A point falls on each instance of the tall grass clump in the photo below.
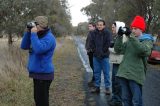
(15, 86)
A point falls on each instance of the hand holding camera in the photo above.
(34, 29)
(124, 30)
(31, 26)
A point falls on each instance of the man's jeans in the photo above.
(131, 92)
(116, 88)
(99, 65)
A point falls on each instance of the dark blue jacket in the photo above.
(40, 51)
(100, 42)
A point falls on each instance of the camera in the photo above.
(31, 24)
(124, 30)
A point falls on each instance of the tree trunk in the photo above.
(10, 41)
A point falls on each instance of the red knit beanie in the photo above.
(139, 22)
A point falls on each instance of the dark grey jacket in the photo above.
(100, 42)
(88, 41)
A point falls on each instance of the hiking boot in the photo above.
(91, 84)
(107, 92)
(95, 90)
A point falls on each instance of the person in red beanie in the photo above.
(139, 23)
(131, 72)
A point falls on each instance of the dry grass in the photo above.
(15, 86)
(17, 89)
(67, 87)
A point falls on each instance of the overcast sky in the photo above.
(76, 14)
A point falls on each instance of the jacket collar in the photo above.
(146, 37)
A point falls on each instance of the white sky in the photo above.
(76, 14)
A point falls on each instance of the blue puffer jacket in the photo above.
(40, 51)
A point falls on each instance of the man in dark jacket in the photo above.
(41, 43)
(91, 27)
(100, 43)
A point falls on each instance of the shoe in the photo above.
(114, 103)
(108, 92)
(91, 84)
(95, 90)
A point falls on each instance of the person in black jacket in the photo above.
(100, 43)
(91, 27)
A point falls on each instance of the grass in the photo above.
(17, 89)
(15, 86)
(67, 87)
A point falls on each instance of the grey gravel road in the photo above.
(151, 88)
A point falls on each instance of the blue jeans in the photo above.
(131, 92)
(99, 65)
(116, 89)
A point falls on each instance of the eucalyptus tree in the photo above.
(125, 10)
(82, 28)
(94, 10)
(12, 14)
(101, 9)
(15, 14)
(146, 8)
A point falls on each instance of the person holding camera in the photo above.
(115, 59)
(41, 43)
(131, 72)
(100, 42)
(91, 27)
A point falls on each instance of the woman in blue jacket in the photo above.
(41, 44)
